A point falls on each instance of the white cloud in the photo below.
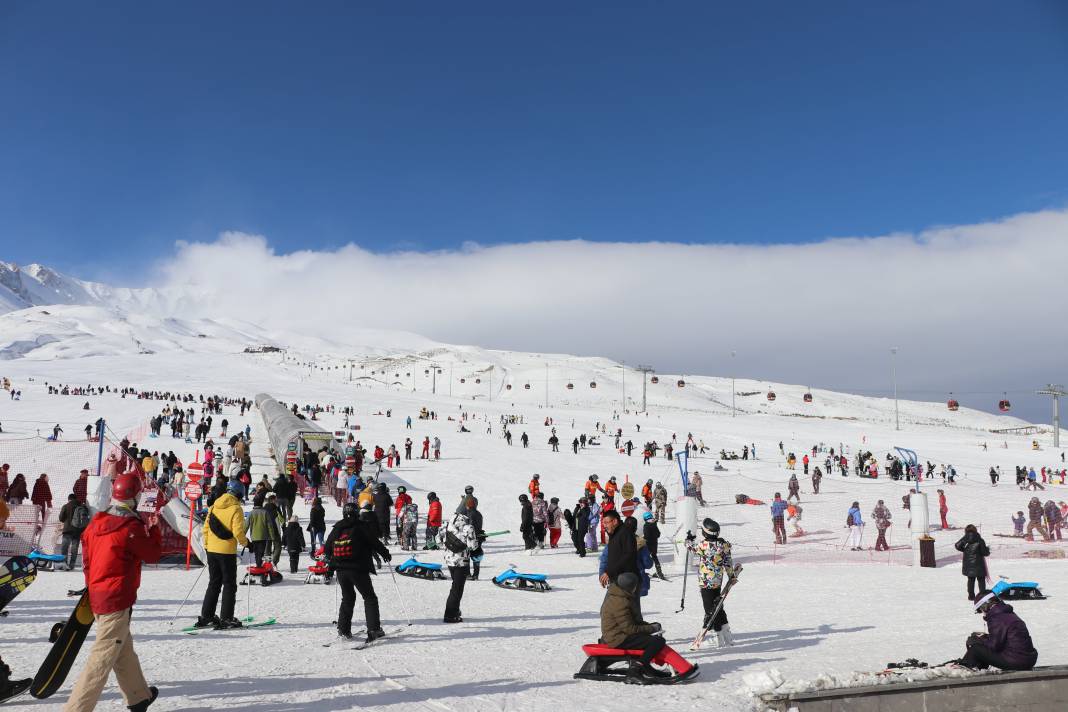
(972, 307)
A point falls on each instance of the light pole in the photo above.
(645, 370)
(732, 384)
(893, 377)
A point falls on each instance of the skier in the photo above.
(973, 561)
(817, 477)
(116, 543)
(437, 448)
(592, 487)
(622, 628)
(224, 529)
(778, 523)
(1006, 644)
(881, 515)
(460, 542)
(715, 567)
(651, 534)
(793, 487)
(349, 550)
(433, 520)
(426, 448)
(855, 524)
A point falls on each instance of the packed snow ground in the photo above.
(804, 610)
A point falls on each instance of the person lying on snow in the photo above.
(1006, 644)
(622, 628)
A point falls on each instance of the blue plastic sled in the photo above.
(1017, 590)
(417, 569)
(510, 578)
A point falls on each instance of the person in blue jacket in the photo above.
(778, 520)
(856, 527)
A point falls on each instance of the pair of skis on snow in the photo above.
(390, 635)
(696, 644)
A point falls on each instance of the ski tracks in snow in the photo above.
(417, 695)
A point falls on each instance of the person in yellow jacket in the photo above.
(148, 465)
(224, 528)
(367, 495)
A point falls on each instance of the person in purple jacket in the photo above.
(1006, 644)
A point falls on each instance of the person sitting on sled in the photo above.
(621, 628)
(1006, 644)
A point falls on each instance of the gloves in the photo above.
(690, 536)
(657, 628)
(387, 556)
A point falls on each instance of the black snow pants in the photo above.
(350, 582)
(222, 576)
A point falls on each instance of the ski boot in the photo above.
(203, 622)
(10, 688)
(373, 635)
(724, 639)
(228, 624)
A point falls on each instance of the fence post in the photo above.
(100, 449)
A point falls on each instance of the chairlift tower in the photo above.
(645, 371)
(1055, 391)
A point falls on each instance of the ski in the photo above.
(16, 688)
(336, 642)
(245, 623)
(697, 641)
(393, 634)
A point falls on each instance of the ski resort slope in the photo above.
(805, 609)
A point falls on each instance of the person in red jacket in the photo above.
(81, 486)
(403, 500)
(42, 495)
(114, 546)
(535, 485)
(943, 508)
(433, 521)
(426, 448)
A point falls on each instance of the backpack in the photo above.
(849, 519)
(79, 518)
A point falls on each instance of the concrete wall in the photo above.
(1038, 690)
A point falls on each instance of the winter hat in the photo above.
(647, 516)
(627, 581)
(984, 598)
(234, 487)
(710, 527)
(294, 519)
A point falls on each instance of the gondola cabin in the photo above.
(478, 380)
(1004, 406)
(808, 397)
(570, 386)
(508, 387)
(526, 386)
(463, 380)
(771, 395)
(593, 384)
(681, 383)
(426, 372)
(654, 380)
(953, 405)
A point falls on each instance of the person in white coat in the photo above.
(459, 540)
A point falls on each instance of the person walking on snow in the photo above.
(116, 544)
(349, 554)
(459, 548)
(973, 561)
(943, 508)
(881, 515)
(778, 522)
(856, 527)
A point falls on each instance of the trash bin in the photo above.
(927, 552)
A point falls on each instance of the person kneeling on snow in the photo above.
(1006, 644)
(621, 628)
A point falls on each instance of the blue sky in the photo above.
(126, 126)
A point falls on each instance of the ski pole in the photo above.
(399, 596)
(186, 599)
(685, 573)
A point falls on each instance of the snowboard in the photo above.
(16, 575)
(61, 657)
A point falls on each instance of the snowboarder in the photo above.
(460, 541)
(117, 542)
(715, 567)
(348, 553)
(973, 561)
(224, 529)
(1007, 643)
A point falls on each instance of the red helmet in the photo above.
(126, 486)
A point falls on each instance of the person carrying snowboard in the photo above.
(348, 553)
(116, 543)
(715, 568)
(224, 529)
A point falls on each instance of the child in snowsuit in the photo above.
(294, 542)
(660, 502)
(715, 568)
(409, 521)
(1018, 524)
